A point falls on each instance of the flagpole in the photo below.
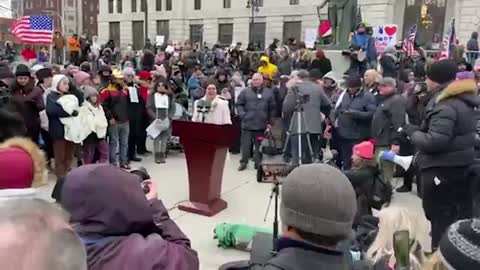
(51, 42)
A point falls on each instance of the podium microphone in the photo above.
(203, 108)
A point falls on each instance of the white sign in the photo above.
(385, 36)
(310, 37)
(159, 40)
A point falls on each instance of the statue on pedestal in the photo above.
(342, 17)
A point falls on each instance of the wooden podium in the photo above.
(206, 147)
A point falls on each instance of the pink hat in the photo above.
(22, 164)
(80, 77)
(364, 150)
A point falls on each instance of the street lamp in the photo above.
(254, 5)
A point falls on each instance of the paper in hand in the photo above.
(161, 101)
(132, 92)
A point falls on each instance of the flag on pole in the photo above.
(409, 42)
(448, 44)
(36, 29)
(358, 16)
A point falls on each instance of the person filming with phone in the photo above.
(122, 223)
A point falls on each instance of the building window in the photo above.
(114, 32)
(163, 29)
(134, 5)
(225, 33)
(257, 35)
(70, 18)
(196, 33)
(292, 30)
(143, 5)
(198, 4)
(138, 35)
(169, 5)
(260, 3)
(71, 3)
(110, 6)
(227, 3)
(294, 2)
(119, 6)
(159, 5)
(430, 20)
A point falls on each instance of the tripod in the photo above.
(274, 195)
(299, 127)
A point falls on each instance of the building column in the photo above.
(210, 31)
(241, 28)
(274, 29)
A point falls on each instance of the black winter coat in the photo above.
(447, 135)
(354, 115)
(324, 65)
(387, 119)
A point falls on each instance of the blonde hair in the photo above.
(393, 219)
(435, 263)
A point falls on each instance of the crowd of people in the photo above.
(103, 107)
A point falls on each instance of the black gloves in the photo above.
(75, 113)
(409, 129)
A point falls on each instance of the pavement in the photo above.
(247, 203)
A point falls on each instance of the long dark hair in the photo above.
(16, 87)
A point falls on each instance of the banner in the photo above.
(310, 37)
(385, 36)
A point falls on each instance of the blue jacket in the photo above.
(194, 88)
(54, 113)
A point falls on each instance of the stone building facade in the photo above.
(211, 21)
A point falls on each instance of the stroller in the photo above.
(173, 142)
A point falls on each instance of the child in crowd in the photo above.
(96, 141)
(161, 105)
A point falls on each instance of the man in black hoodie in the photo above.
(445, 141)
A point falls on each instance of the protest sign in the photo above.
(385, 36)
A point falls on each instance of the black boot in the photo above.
(404, 189)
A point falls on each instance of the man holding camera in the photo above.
(308, 97)
(445, 141)
(317, 209)
(255, 107)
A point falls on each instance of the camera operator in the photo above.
(310, 98)
(445, 142)
(122, 222)
(317, 210)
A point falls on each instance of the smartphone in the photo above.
(401, 246)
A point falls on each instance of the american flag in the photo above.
(35, 29)
(448, 44)
(358, 16)
(409, 42)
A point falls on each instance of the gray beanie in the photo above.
(89, 91)
(318, 199)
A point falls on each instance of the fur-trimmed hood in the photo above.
(466, 89)
(40, 173)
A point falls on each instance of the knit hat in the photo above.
(364, 150)
(80, 77)
(316, 74)
(465, 75)
(104, 68)
(442, 71)
(36, 68)
(353, 81)
(44, 73)
(460, 245)
(12, 124)
(5, 71)
(22, 164)
(22, 70)
(318, 199)
(128, 71)
(89, 91)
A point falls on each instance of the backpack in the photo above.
(380, 193)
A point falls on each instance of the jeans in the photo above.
(89, 152)
(135, 138)
(118, 142)
(306, 154)
(160, 143)
(75, 58)
(249, 137)
(63, 151)
(446, 198)
(387, 168)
